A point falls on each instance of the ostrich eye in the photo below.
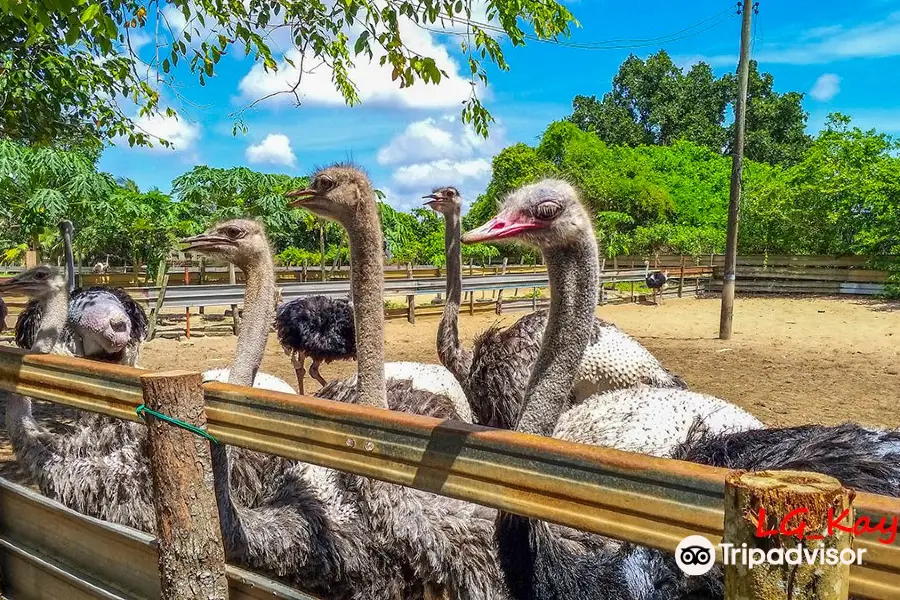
(451, 193)
(233, 232)
(326, 183)
(547, 210)
(41, 275)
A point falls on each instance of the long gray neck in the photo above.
(70, 257)
(53, 321)
(367, 287)
(572, 271)
(451, 352)
(259, 310)
(24, 432)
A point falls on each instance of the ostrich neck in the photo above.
(367, 287)
(70, 260)
(457, 359)
(259, 310)
(24, 432)
(53, 321)
(573, 298)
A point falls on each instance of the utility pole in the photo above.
(737, 166)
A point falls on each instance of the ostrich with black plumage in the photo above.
(317, 327)
(656, 281)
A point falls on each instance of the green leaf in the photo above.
(90, 13)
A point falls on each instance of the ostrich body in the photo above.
(441, 544)
(656, 281)
(495, 373)
(539, 561)
(3, 312)
(318, 327)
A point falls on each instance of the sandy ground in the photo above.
(790, 361)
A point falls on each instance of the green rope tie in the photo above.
(177, 423)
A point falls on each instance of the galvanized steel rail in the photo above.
(225, 295)
(632, 497)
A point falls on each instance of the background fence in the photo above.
(47, 551)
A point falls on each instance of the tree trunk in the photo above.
(321, 251)
(191, 554)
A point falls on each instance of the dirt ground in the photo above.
(790, 361)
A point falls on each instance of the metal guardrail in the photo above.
(225, 295)
(640, 499)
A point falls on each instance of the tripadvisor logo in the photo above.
(696, 555)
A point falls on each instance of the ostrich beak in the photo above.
(434, 200)
(299, 197)
(505, 225)
(205, 241)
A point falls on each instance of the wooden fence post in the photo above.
(632, 283)
(201, 278)
(191, 555)
(154, 316)
(187, 309)
(236, 317)
(500, 292)
(305, 270)
(778, 493)
(681, 278)
(410, 298)
(602, 281)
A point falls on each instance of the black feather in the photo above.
(318, 326)
(28, 323)
(3, 312)
(656, 280)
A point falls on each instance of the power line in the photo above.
(612, 44)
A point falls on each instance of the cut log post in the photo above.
(775, 495)
(500, 292)
(411, 308)
(235, 315)
(154, 316)
(191, 554)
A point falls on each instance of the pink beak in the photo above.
(502, 226)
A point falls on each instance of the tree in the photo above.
(655, 102)
(39, 186)
(329, 34)
(776, 123)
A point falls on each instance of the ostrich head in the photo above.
(546, 215)
(106, 325)
(339, 193)
(445, 200)
(39, 283)
(239, 241)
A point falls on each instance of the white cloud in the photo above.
(826, 87)
(374, 82)
(433, 139)
(274, 149)
(176, 130)
(442, 172)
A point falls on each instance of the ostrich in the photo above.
(442, 541)
(656, 281)
(495, 373)
(99, 468)
(332, 533)
(319, 327)
(3, 312)
(536, 560)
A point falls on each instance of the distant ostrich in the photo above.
(656, 281)
(318, 327)
(537, 560)
(3, 312)
(101, 267)
(443, 543)
(495, 373)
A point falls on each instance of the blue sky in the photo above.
(845, 56)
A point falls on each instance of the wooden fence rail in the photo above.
(631, 497)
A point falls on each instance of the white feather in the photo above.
(262, 381)
(648, 420)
